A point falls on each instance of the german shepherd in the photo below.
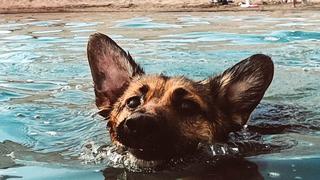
(156, 117)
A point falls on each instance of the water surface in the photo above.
(47, 107)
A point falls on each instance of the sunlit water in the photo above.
(47, 110)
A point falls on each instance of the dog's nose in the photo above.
(140, 125)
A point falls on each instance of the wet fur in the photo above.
(183, 112)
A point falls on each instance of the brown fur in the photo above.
(159, 99)
(159, 117)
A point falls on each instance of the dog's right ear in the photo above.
(239, 89)
(112, 70)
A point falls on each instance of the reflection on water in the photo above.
(47, 107)
(228, 168)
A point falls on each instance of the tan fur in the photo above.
(225, 80)
(200, 130)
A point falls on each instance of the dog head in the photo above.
(158, 117)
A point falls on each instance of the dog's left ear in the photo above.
(239, 89)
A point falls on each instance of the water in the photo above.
(47, 110)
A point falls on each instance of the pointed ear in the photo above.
(112, 69)
(239, 89)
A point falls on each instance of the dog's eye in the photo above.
(133, 102)
(189, 107)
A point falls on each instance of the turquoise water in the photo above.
(47, 110)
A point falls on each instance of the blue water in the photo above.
(47, 107)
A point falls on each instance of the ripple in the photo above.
(11, 128)
(271, 38)
(65, 126)
(83, 30)
(288, 36)
(45, 23)
(81, 24)
(18, 37)
(233, 38)
(48, 38)
(6, 95)
(11, 25)
(47, 31)
(296, 24)
(34, 86)
(24, 56)
(143, 23)
(191, 20)
(5, 32)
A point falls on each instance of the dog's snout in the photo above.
(140, 124)
(139, 129)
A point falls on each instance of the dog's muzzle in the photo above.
(139, 130)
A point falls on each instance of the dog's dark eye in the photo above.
(189, 107)
(133, 102)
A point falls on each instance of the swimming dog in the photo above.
(156, 117)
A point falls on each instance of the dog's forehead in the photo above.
(162, 89)
(161, 84)
(158, 85)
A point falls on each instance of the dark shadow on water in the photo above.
(281, 118)
(5, 177)
(222, 169)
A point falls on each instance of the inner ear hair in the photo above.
(239, 89)
(112, 69)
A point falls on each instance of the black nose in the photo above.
(139, 125)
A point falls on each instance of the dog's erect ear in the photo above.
(112, 69)
(239, 89)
